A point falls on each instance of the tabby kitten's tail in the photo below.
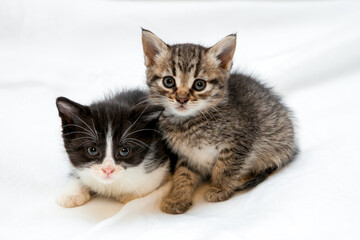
(255, 179)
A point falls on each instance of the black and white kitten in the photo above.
(228, 128)
(114, 147)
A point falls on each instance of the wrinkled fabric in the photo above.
(308, 51)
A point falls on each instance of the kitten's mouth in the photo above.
(181, 108)
(107, 179)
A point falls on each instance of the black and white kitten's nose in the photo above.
(182, 100)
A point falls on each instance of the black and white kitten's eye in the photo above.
(169, 82)
(124, 151)
(199, 85)
(92, 151)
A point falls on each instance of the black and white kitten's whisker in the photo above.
(142, 102)
(96, 132)
(137, 140)
(158, 99)
(86, 140)
(78, 126)
(80, 138)
(157, 95)
(91, 130)
(80, 132)
(141, 130)
(137, 144)
(84, 143)
(128, 129)
(89, 140)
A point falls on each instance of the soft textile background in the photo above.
(308, 51)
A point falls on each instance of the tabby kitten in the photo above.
(114, 147)
(226, 128)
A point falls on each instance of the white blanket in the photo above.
(308, 51)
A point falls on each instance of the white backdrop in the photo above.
(308, 51)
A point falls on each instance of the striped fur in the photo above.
(235, 132)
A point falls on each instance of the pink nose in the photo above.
(182, 100)
(108, 171)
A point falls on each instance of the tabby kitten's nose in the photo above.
(182, 100)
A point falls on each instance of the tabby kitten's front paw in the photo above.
(175, 206)
(214, 194)
(73, 200)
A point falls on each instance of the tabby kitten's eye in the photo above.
(199, 85)
(124, 151)
(93, 151)
(169, 82)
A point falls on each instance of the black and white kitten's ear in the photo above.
(69, 109)
(224, 51)
(152, 46)
(147, 113)
(153, 112)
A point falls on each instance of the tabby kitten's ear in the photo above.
(224, 51)
(69, 109)
(152, 46)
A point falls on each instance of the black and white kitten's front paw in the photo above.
(73, 200)
(74, 195)
(172, 205)
(214, 194)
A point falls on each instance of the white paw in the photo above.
(73, 200)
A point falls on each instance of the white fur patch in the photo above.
(131, 181)
(73, 195)
(190, 109)
(108, 162)
(109, 146)
(202, 158)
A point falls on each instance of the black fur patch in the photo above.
(132, 120)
